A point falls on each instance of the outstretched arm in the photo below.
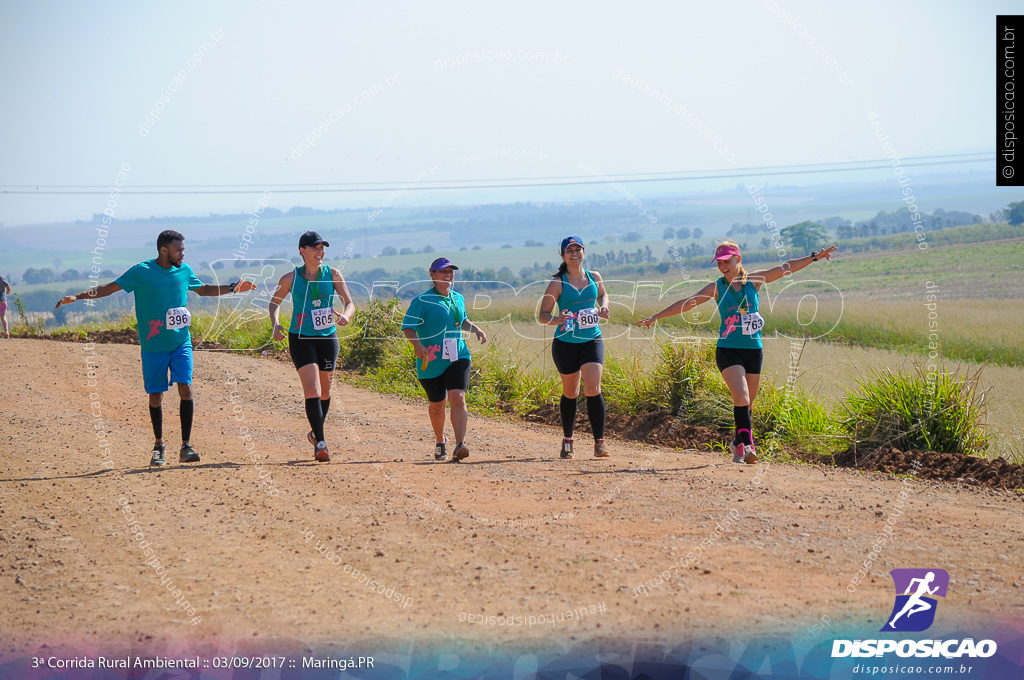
(97, 292)
(682, 306)
(794, 265)
(210, 290)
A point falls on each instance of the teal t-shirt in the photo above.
(157, 291)
(435, 318)
(732, 304)
(575, 300)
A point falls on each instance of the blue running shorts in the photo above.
(155, 366)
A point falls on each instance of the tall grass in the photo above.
(942, 411)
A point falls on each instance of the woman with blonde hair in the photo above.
(739, 352)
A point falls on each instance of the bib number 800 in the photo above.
(587, 318)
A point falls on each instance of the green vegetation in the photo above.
(940, 411)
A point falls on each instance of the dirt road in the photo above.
(512, 532)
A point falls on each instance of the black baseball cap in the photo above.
(311, 239)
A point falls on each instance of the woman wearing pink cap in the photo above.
(739, 351)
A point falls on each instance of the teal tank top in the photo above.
(730, 302)
(574, 301)
(311, 302)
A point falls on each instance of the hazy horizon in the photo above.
(268, 94)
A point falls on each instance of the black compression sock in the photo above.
(596, 413)
(741, 415)
(156, 414)
(325, 404)
(316, 418)
(186, 419)
(567, 407)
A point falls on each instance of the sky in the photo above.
(548, 89)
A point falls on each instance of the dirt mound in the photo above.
(119, 336)
(651, 428)
(995, 473)
(663, 429)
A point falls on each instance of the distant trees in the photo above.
(698, 232)
(805, 235)
(1014, 213)
(33, 276)
(632, 237)
(683, 232)
(669, 234)
(530, 243)
(388, 251)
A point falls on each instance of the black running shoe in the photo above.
(440, 452)
(566, 451)
(187, 454)
(158, 456)
(461, 452)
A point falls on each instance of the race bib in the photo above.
(752, 323)
(587, 318)
(178, 317)
(322, 318)
(450, 349)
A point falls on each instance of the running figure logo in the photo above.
(730, 324)
(914, 610)
(154, 328)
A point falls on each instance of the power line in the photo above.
(497, 183)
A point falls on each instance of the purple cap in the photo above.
(441, 263)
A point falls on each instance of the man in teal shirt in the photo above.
(161, 289)
(434, 324)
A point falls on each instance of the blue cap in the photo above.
(568, 240)
(441, 263)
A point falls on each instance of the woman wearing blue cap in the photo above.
(739, 352)
(577, 348)
(313, 335)
(434, 324)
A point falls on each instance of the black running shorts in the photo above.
(320, 351)
(455, 377)
(749, 359)
(570, 356)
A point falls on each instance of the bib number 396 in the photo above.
(587, 318)
(752, 323)
(323, 318)
(178, 317)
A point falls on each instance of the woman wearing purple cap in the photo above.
(313, 335)
(434, 324)
(577, 347)
(739, 352)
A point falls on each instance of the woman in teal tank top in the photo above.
(312, 335)
(739, 352)
(577, 348)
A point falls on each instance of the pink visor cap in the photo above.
(724, 252)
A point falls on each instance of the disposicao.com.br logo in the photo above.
(914, 611)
